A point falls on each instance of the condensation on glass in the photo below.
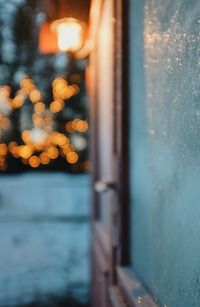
(165, 148)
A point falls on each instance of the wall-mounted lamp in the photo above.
(71, 34)
(65, 28)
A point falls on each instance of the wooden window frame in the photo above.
(132, 290)
(125, 290)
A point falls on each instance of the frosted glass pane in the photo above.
(165, 148)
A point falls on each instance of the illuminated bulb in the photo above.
(72, 157)
(25, 151)
(52, 152)
(39, 107)
(25, 136)
(56, 106)
(68, 148)
(34, 161)
(82, 126)
(11, 145)
(68, 127)
(38, 136)
(70, 34)
(61, 139)
(79, 142)
(44, 159)
(35, 96)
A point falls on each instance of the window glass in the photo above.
(165, 148)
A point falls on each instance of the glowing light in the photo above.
(3, 149)
(70, 34)
(38, 136)
(56, 106)
(75, 89)
(17, 102)
(38, 121)
(68, 127)
(35, 96)
(67, 148)
(5, 123)
(61, 139)
(12, 145)
(44, 159)
(34, 161)
(52, 152)
(13, 148)
(27, 85)
(25, 151)
(25, 136)
(72, 157)
(79, 142)
(39, 107)
(81, 126)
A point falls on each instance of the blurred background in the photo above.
(44, 165)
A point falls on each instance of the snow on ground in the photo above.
(44, 236)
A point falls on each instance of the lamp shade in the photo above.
(48, 42)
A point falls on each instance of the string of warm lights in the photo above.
(42, 143)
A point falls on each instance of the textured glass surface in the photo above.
(165, 148)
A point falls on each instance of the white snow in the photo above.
(44, 236)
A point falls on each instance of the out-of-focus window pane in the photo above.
(165, 143)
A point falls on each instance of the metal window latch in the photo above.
(104, 186)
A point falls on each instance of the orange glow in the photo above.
(76, 78)
(35, 96)
(68, 148)
(70, 34)
(72, 157)
(68, 127)
(74, 123)
(61, 139)
(34, 161)
(53, 137)
(38, 147)
(5, 123)
(5, 91)
(3, 149)
(14, 150)
(52, 152)
(59, 80)
(61, 89)
(11, 146)
(47, 39)
(56, 106)
(81, 126)
(27, 85)
(2, 159)
(39, 107)
(44, 159)
(86, 166)
(75, 89)
(38, 120)
(17, 102)
(25, 151)
(26, 136)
